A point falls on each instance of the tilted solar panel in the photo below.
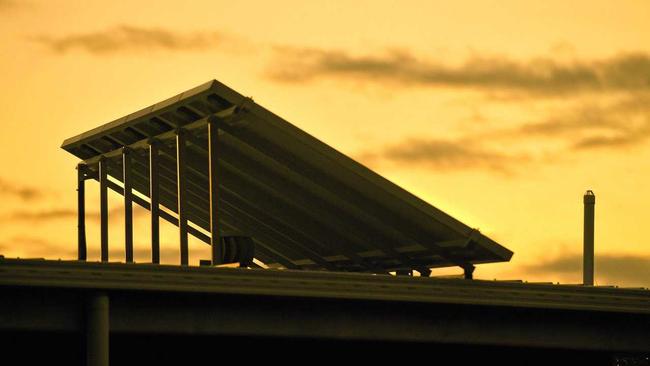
(306, 205)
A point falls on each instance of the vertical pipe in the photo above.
(81, 212)
(181, 140)
(128, 205)
(97, 330)
(588, 239)
(213, 166)
(103, 207)
(154, 191)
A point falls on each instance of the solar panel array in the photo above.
(306, 205)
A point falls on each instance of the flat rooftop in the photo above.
(44, 298)
(318, 284)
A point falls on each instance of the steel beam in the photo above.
(128, 204)
(230, 114)
(82, 253)
(213, 167)
(154, 192)
(97, 330)
(181, 142)
(197, 233)
(103, 207)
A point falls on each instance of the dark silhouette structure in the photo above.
(316, 236)
(227, 165)
(588, 239)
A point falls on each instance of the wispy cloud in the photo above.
(8, 4)
(619, 125)
(32, 246)
(616, 126)
(129, 38)
(25, 193)
(627, 72)
(37, 247)
(630, 270)
(445, 155)
(44, 215)
(41, 215)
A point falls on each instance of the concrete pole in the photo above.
(588, 236)
(97, 330)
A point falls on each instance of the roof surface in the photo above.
(319, 284)
(306, 205)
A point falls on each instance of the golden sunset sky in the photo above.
(500, 113)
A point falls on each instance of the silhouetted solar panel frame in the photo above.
(306, 205)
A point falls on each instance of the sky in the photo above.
(500, 113)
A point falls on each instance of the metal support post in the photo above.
(213, 162)
(128, 205)
(468, 271)
(181, 140)
(154, 191)
(103, 207)
(81, 213)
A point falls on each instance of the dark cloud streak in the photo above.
(24, 193)
(446, 155)
(65, 214)
(610, 268)
(36, 247)
(623, 124)
(628, 72)
(8, 5)
(128, 38)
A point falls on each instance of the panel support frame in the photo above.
(82, 251)
(181, 144)
(128, 204)
(468, 271)
(103, 208)
(214, 179)
(154, 199)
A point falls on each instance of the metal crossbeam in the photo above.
(226, 114)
